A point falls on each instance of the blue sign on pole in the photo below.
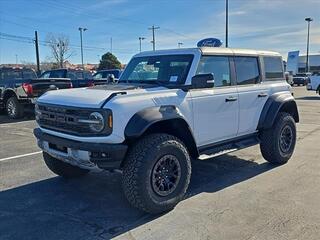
(210, 42)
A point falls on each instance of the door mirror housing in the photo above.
(205, 80)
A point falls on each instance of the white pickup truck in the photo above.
(314, 83)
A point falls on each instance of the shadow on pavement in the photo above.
(94, 207)
(309, 98)
(4, 118)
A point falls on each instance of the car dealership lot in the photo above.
(236, 196)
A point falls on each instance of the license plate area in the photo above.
(58, 148)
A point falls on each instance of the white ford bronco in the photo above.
(167, 108)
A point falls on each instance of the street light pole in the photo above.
(82, 30)
(308, 40)
(140, 40)
(180, 44)
(227, 21)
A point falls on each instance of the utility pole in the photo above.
(227, 21)
(308, 40)
(16, 59)
(36, 42)
(180, 44)
(81, 30)
(153, 28)
(140, 40)
(111, 45)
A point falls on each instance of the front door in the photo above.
(215, 110)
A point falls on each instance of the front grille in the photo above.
(64, 119)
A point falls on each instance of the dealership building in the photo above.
(297, 63)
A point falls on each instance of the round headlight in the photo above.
(97, 122)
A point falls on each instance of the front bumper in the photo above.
(92, 156)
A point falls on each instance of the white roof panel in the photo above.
(209, 51)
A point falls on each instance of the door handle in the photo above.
(262, 95)
(231, 99)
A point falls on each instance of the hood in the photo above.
(92, 97)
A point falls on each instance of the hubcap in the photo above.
(11, 109)
(166, 175)
(286, 139)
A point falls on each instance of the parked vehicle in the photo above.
(103, 74)
(78, 77)
(300, 79)
(20, 88)
(169, 107)
(313, 83)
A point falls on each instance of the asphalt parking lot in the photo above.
(236, 196)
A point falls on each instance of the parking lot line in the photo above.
(19, 156)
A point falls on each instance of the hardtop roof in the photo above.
(210, 51)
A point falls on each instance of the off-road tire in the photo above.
(139, 167)
(63, 169)
(13, 108)
(270, 140)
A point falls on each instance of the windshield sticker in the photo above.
(173, 79)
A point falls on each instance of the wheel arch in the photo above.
(8, 94)
(164, 119)
(279, 102)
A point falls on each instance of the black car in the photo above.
(300, 79)
(78, 77)
(20, 87)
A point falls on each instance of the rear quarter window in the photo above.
(273, 68)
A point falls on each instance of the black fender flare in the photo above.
(8, 91)
(143, 119)
(275, 103)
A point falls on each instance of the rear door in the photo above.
(216, 110)
(252, 94)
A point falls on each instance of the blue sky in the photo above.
(260, 24)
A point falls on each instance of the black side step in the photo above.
(228, 146)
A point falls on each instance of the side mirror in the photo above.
(205, 80)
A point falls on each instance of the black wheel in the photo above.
(156, 173)
(14, 108)
(277, 144)
(63, 169)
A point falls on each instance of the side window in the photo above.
(247, 70)
(273, 67)
(218, 66)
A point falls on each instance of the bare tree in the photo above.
(60, 48)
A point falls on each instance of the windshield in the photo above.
(162, 68)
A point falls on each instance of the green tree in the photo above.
(109, 61)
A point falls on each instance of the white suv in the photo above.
(167, 108)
